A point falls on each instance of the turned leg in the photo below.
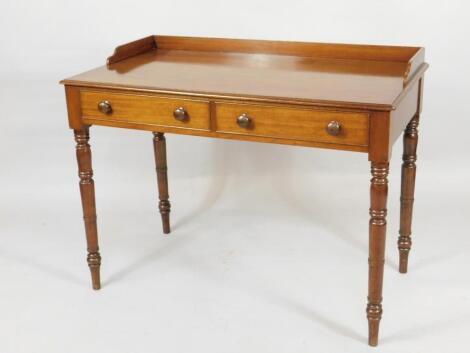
(159, 146)
(377, 230)
(408, 175)
(87, 192)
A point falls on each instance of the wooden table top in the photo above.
(371, 77)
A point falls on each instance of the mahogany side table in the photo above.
(347, 97)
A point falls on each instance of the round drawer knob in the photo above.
(105, 107)
(333, 128)
(180, 114)
(244, 121)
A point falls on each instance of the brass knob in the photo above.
(180, 114)
(105, 107)
(244, 121)
(333, 128)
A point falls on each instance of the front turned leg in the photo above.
(87, 192)
(377, 231)
(159, 146)
(408, 176)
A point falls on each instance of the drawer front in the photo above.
(141, 109)
(293, 123)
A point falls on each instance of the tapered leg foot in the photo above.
(377, 231)
(159, 146)
(374, 314)
(164, 207)
(403, 252)
(408, 177)
(94, 263)
(87, 192)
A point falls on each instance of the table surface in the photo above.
(314, 74)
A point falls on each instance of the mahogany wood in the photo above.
(230, 136)
(404, 111)
(128, 50)
(145, 109)
(87, 191)
(377, 231)
(408, 55)
(159, 147)
(408, 176)
(336, 75)
(295, 124)
(338, 96)
(72, 96)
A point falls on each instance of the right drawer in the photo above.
(303, 124)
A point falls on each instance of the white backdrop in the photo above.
(269, 244)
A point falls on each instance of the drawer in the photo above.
(141, 109)
(303, 124)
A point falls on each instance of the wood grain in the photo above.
(74, 110)
(377, 232)
(364, 76)
(410, 55)
(159, 148)
(131, 49)
(202, 133)
(408, 177)
(296, 124)
(142, 109)
(292, 48)
(290, 91)
(283, 124)
(380, 146)
(87, 192)
(404, 112)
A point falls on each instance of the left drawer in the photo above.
(146, 109)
